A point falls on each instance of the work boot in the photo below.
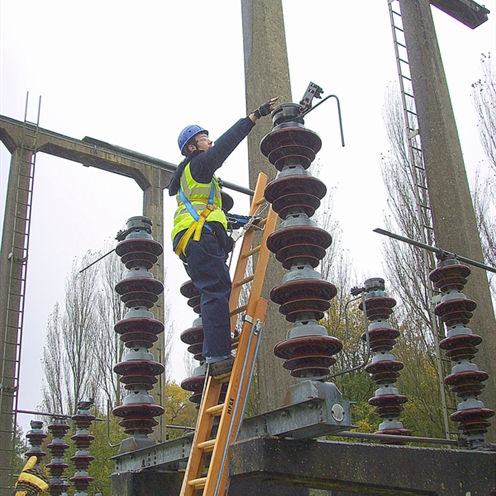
(218, 369)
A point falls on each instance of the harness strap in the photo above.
(199, 220)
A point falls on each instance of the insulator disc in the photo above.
(382, 339)
(314, 345)
(143, 410)
(295, 143)
(135, 367)
(299, 289)
(455, 311)
(139, 252)
(293, 308)
(293, 255)
(192, 335)
(139, 324)
(461, 346)
(378, 307)
(450, 276)
(188, 289)
(298, 235)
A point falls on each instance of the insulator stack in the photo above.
(384, 369)
(193, 337)
(82, 439)
(35, 437)
(139, 330)
(299, 244)
(460, 344)
(58, 429)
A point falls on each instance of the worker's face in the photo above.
(203, 142)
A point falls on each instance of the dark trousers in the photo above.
(205, 263)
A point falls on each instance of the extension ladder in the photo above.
(212, 439)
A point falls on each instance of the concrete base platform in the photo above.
(363, 469)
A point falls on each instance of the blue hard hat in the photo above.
(187, 133)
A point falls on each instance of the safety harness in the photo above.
(195, 229)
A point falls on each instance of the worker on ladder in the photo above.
(199, 234)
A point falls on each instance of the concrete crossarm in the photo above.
(87, 151)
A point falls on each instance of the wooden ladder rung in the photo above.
(198, 483)
(207, 445)
(244, 281)
(215, 410)
(260, 201)
(252, 251)
(238, 310)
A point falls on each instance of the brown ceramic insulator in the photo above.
(473, 421)
(138, 417)
(189, 291)
(83, 422)
(455, 311)
(450, 276)
(35, 437)
(461, 346)
(139, 331)
(194, 384)
(308, 355)
(139, 291)
(378, 307)
(81, 483)
(382, 339)
(58, 430)
(295, 254)
(143, 425)
(304, 236)
(139, 252)
(57, 487)
(295, 308)
(303, 296)
(194, 337)
(388, 405)
(467, 383)
(293, 144)
(82, 461)
(295, 193)
(394, 432)
(313, 365)
(194, 303)
(138, 372)
(384, 371)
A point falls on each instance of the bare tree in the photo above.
(82, 347)
(405, 265)
(110, 310)
(68, 356)
(484, 99)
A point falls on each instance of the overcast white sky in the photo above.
(134, 74)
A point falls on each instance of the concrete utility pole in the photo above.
(453, 215)
(266, 75)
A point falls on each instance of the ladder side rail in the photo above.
(246, 245)
(234, 406)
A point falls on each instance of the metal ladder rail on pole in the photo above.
(213, 437)
(424, 212)
(16, 289)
